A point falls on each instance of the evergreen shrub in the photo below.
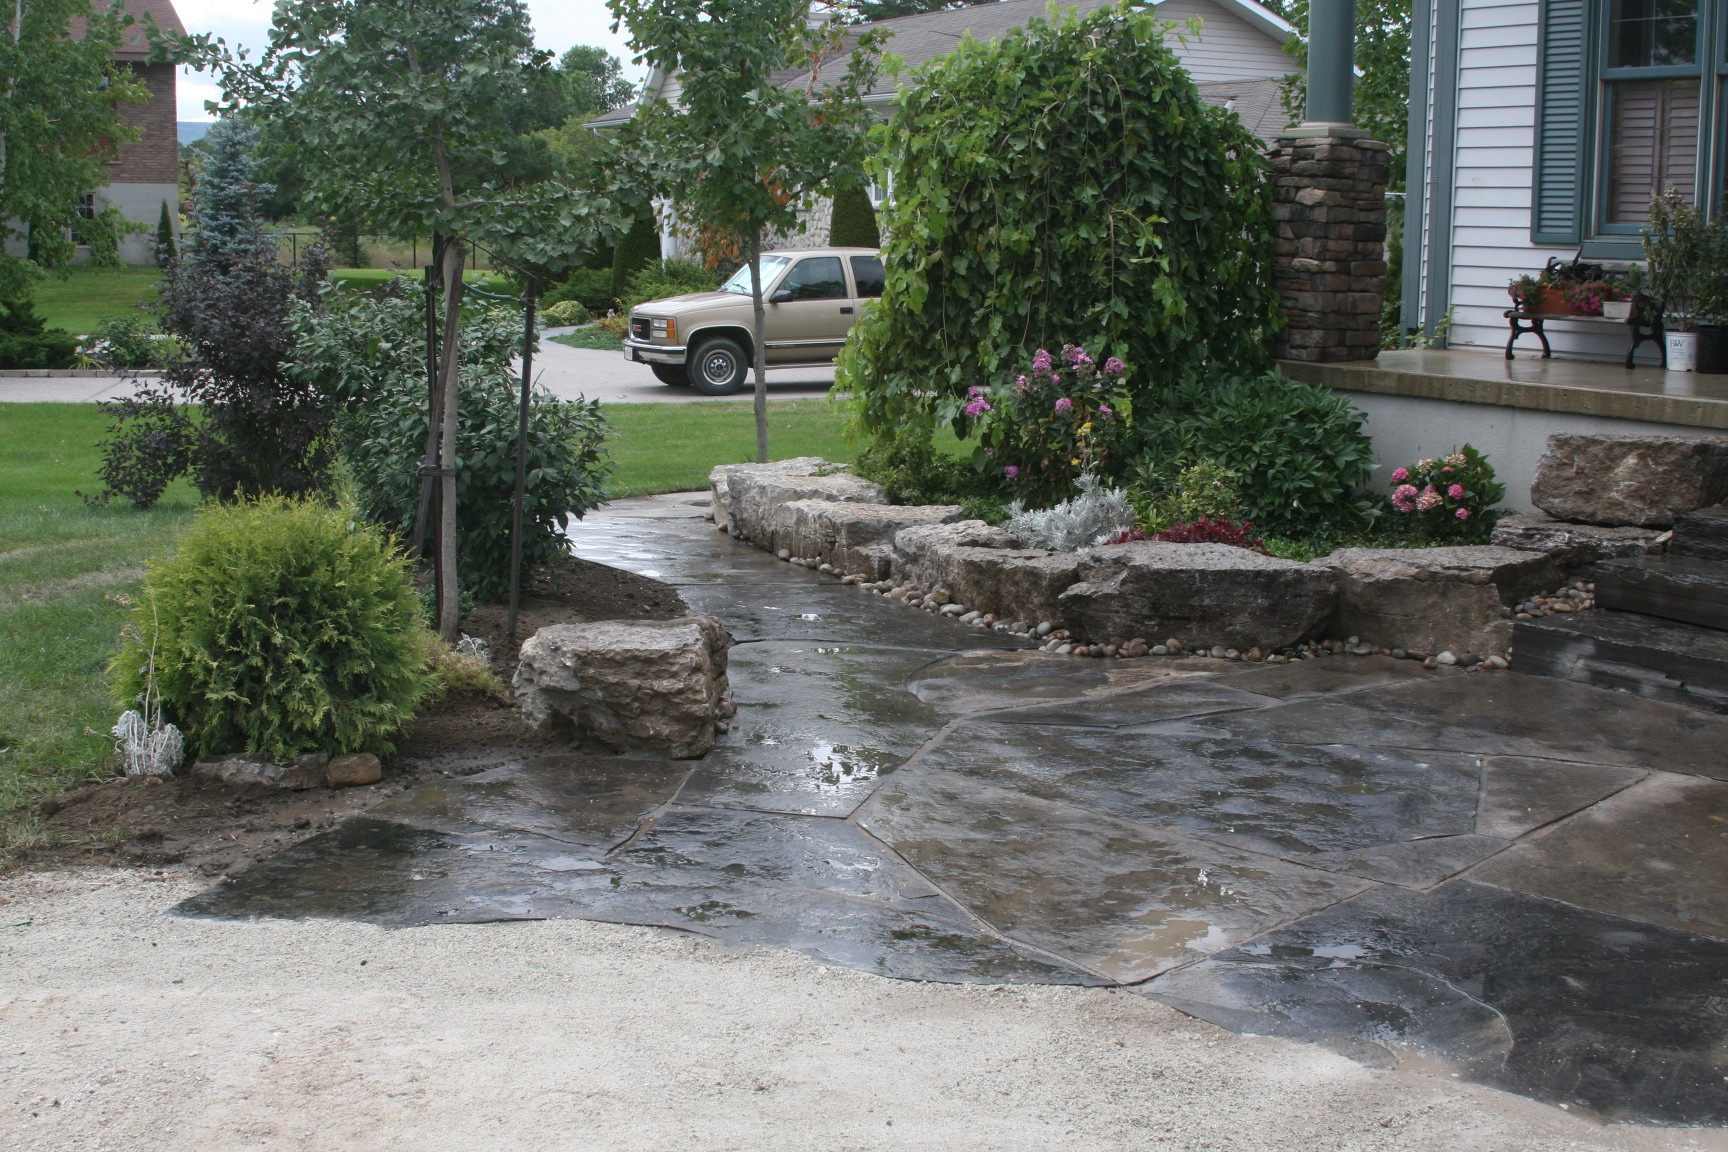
(565, 313)
(26, 341)
(639, 248)
(279, 627)
(853, 224)
(1066, 182)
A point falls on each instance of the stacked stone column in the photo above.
(1329, 247)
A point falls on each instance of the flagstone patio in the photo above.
(1511, 879)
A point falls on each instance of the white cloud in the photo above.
(558, 25)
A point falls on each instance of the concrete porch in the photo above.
(1424, 403)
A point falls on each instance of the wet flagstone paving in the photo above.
(1514, 880)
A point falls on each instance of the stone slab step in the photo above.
(1689, 589)
(1645, 655)
(1703, 534)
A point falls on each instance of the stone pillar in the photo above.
(1329, 245)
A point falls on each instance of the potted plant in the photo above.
(1621, 289)
(1586, 297)
(1710, 290)
(1675, 238)
(1528, 292)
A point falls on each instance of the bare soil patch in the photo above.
(221, 830)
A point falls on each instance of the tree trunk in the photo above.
(434, 405)
(759, 345)
(448, 599)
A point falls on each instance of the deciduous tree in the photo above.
(61, 97)
(740, 150)
(409, 116)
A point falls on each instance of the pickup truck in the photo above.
(811, 296)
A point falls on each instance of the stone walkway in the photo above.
(1508, 879)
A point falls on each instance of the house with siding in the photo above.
(1234, 50)
(144, 173)
(1540, 129)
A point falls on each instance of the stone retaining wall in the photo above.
(1210, 597)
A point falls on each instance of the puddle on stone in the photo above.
(818, 726)
(1288, 800)
(593, 801)
(1328, 675)
(680, 552)
(1642, 853)
(815, 885)
(1605, 1015)
(1125, 902)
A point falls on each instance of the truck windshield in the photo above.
(771, 267)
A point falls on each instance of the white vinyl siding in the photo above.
(1492, 152)
(1228, 47)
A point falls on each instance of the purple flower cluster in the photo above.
(1063, 406)
(976, 403)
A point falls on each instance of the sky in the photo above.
(558, 24)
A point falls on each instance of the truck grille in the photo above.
(639, 327)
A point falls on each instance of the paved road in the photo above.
(564, 371)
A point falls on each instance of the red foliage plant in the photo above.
(1209, 531)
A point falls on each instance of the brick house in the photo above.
(144, 174)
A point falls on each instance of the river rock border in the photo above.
(1443, 606)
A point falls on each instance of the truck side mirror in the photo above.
(781, 296)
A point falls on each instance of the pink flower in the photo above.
(1462, 513)
(1076, 356)
(1404, 497)
(1456, 491)
(1064, 406)
(1114, 367)
(977, 406)
(1429, 499)
(1011, 472)
(1399, 475)
(1105, 411)
(1055, 379)
(1040, 362)
(1020, 385)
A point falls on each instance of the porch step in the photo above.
(1689, 589)
(1702, 534)
(1644, 655)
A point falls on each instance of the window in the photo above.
(1651, 116)
(86, 210)
(867, 272)
(1632, 96)
(816, 278)
(740, 281)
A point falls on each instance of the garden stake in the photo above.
(521, 461)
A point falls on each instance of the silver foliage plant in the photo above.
(146, 745)
(1098, 515)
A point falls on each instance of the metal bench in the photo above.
(1645, 324)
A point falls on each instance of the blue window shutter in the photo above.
(1562, 112)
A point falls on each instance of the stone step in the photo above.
(1684, 588)
(1644, 655)
(1703, 534)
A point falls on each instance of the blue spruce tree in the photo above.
(227, 204)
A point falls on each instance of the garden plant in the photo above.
(1449, 500)
(279, 627)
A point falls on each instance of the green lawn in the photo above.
(64, 567)
(83, 297)
(673, 447)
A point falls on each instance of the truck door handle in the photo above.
(846, 310)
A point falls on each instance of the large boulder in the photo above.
(1575, 545)
(1634, 478)
(747, 497)
(854, 538)
(629, 685)
(242, 769)
(1203, 594)
(1014, 583)
(1437, 599)
(918, 550)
